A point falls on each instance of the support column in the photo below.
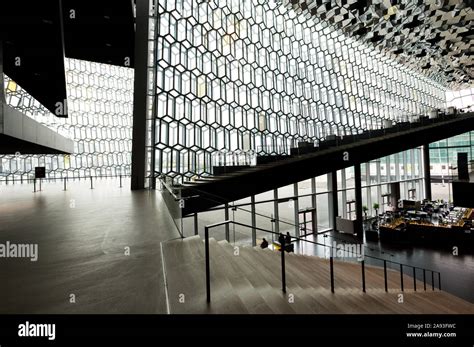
(405, 175)
(426, 170)
(358, 198)
(140, 95)
(276, 210)
(344, 195)
(333, 201)
(254, 221)
(196, 224)
(227, 228)
(314, 204)
(297, 208)
(2, 89)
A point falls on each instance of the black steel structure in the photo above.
(140, 96)
(358, 149)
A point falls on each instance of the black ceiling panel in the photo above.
(37, 35)
(101, 31)
(33, 50)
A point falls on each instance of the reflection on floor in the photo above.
(456, 271)
(83, 236)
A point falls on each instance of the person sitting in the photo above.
(264, 244)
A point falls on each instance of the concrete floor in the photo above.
(82, 235)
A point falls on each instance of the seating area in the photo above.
(339, 140)
(428, 222)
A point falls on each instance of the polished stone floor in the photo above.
(84, 237)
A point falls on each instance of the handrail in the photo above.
(65, 179)
(169, 188)
(226, 222)
(6, 180)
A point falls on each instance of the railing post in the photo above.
(254, 220)
(424, 279)
(439, 280)
(65, 178)
(208, 272)
(432, 280)
(34, 185)
(92, 187)
(120, 181)
(227, 229)
(363, 275)
(385, 274)
(401, 276)
(414, 278)
(331, 266)
(283, 271)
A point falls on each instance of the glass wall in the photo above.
(233, 77)
(461, 99)
(405, 168)
(100, 106)
(443, 154)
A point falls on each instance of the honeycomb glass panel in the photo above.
(250, 74)
(100, 104)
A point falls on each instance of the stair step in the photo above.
(249, 282)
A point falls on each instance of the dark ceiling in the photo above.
(434, 37)
(33, 49)
(99, 30)
(37, 35)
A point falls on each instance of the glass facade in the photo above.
(461, 99)
(405, 168)
(100, 105)
(443, 154)
(237, 77)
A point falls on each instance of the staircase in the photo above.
(345, 152)
(250, 283)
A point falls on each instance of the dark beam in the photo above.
(12, 145)
(426, 169)
(285, 172)
(334, 199)
(358, 198)
(140, 96)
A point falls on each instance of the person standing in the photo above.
(281, 240)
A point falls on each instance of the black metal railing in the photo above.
(221, 200)
(65, 179)
(331, 262)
